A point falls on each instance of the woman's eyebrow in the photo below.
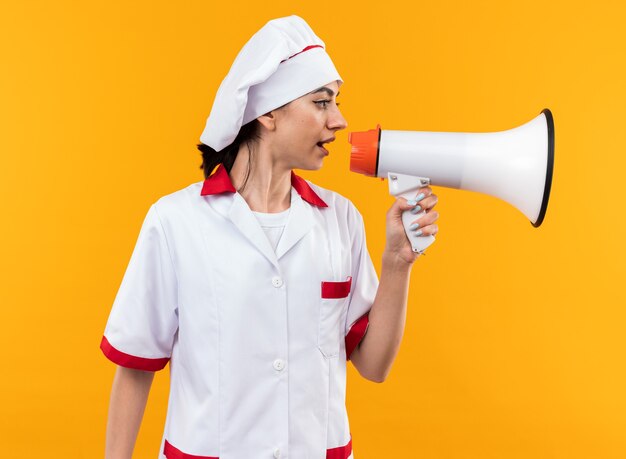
(328, 91)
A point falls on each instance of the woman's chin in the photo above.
(310, 167)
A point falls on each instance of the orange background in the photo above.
(515, 342)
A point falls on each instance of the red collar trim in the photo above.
(219, 182)
(305, 191)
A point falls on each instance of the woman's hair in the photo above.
(211, 158)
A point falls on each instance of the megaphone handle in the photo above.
(407, 186)
(418, 243)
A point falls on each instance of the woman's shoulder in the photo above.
(178, 202)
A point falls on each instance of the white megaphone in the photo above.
(514, 165)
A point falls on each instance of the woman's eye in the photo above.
(322, 103)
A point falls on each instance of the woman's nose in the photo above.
(336, 121)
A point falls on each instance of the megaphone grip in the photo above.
(407, 186)
(418, 243)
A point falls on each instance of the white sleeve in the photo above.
(144, 318)
(364, 288)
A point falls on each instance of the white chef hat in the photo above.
(284, 60)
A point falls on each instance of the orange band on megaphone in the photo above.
(364, 151)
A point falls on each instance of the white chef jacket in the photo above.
(257, 340)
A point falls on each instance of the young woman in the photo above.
(256, 285)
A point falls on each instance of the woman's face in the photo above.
(305, 126)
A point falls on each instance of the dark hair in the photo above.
(227, 156)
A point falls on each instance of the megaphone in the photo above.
(515, 165)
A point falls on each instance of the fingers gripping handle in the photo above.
(407, 186)
(418, 243)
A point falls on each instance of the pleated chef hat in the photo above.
(284, 60)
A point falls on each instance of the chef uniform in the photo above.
(257, 336)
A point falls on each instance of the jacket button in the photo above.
(279, 364)
(277, 282)
(276, 453)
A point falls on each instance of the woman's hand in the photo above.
(398, 245)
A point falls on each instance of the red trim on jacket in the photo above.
(170, 452)
(174, 453)
(219, 182)
(130, 361)
(356, 334)
(342, 452)
(334, 290)
(305, 191)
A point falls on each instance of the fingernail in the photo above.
(418, 233)
(420, 197)
(414, 226)
(412, 202)
(416, 209)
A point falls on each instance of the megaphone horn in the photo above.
(514, 165)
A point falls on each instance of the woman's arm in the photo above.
(128, 402)
(376, 352)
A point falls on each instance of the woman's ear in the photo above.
(268, 121)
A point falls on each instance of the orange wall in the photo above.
(515, 342)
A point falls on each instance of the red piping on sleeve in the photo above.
(356, 334)
(130, 361)
(342, 452)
